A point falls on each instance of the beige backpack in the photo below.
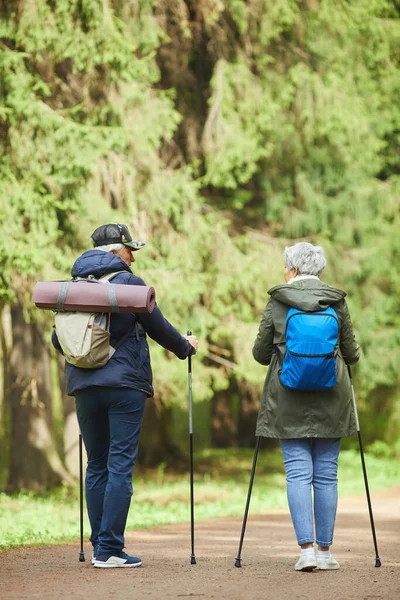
(85, 337)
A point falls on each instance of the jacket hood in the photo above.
(307, 294)
(98, 263)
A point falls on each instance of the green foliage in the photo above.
(320, 87)
(219, 138)
(62, 115)
(240, 116)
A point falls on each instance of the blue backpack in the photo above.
(311, 339)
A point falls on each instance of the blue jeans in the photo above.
(312, 463)
(110, 420)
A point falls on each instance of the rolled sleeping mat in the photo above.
(88, 296)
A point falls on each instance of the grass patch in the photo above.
(162, 497)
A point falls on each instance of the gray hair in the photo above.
(110, 247)
(308, 259)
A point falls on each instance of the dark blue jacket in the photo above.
(130, 365)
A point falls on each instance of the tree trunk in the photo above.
(34, 461)
(223, 429)
(5, 346)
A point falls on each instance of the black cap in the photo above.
(114, 233)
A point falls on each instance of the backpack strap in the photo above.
(112, 297)
(109, 276)
(124, 337)
(102, 279)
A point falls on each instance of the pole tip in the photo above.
(81, 556)
(378, 562)
(238, 563)
(193, 560)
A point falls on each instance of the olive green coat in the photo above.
(286, 413)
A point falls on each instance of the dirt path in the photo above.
(269, 554)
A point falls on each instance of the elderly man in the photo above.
(110, 400)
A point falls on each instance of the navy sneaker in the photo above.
(112, 561)
(93, 559)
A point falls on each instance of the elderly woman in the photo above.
(307, 400)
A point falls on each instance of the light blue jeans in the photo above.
(312, 463)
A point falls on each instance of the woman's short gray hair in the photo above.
(110, 247)
(308, 259)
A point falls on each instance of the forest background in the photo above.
(219, 131)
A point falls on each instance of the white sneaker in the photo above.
(111, 561)
(306, 562)
(327, 564)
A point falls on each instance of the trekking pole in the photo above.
(371, 518)
(81, 553)
(238, 562)
(192, 556)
